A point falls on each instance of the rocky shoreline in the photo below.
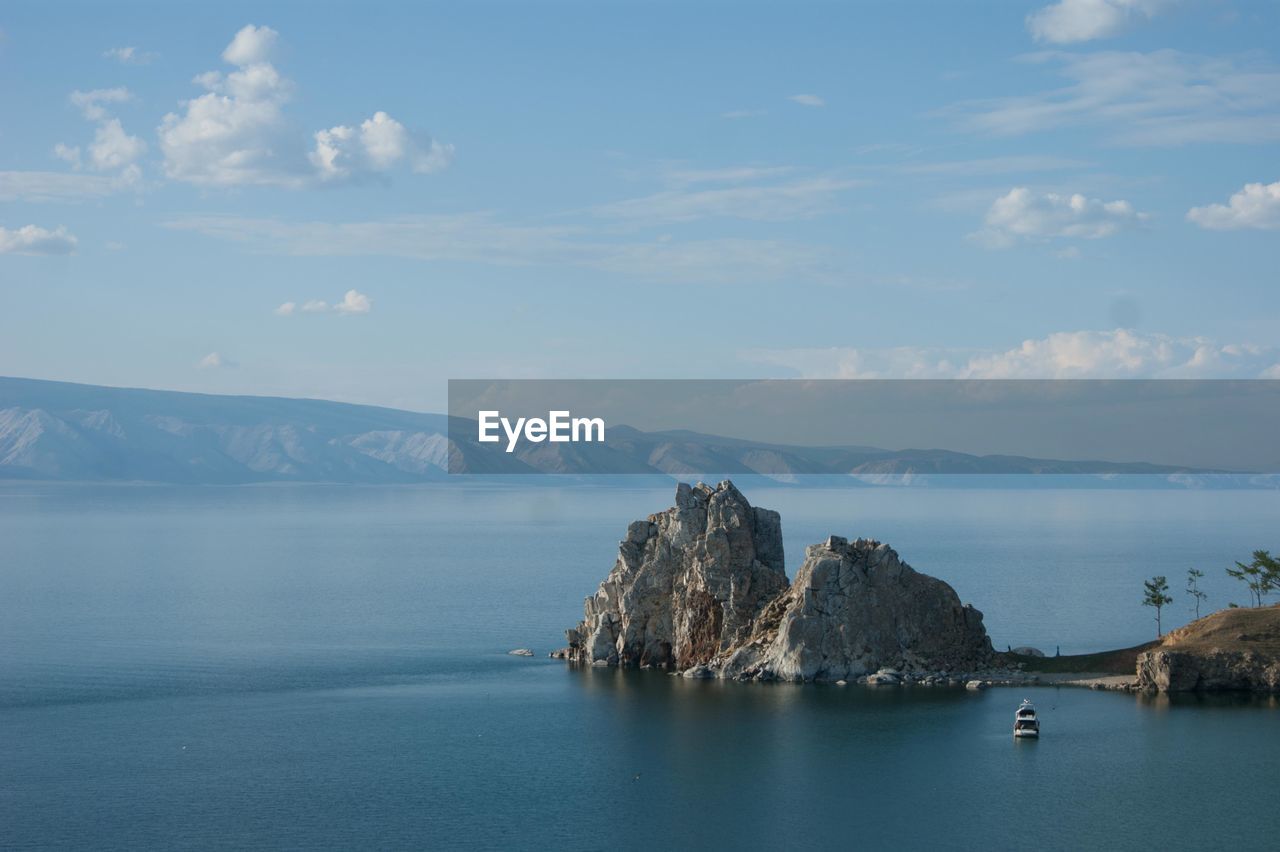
(974, 680)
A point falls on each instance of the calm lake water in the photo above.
(283, 667)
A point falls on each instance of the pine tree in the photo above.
(1194, 577)
(1157, 596)
(1261, 576)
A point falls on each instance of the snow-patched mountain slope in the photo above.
(56, 430)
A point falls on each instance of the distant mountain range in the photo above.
(72, 432)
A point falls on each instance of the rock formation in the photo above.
(688, 583)
(856, 607)
(701, 588)
(1235, 649)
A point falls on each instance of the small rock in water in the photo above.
(521, 652)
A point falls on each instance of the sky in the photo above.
(361, 201)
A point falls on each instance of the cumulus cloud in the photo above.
(807, 100)
(237, 132)
(353, 302)
(379, 144)
(1070, 21)
(251, 46)
(1119, 353)
(1022, 214)
(32, 239)
(128, 55)
(1255, 206)
(112, 148)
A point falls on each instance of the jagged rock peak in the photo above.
(688, 582)
(856, 607)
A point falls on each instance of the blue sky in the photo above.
(361, 203)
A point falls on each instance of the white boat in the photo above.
(1025, 723)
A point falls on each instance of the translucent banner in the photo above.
(864, 427)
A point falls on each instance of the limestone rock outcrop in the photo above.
(856, 607)
(701, 588)
(1235, 649)
(688, 583)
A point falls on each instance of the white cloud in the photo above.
(1255, 206)
(1120, 353)
(1083, 20)
(379, 144)
(32, 239)
(1022, 214)
(1162, 98)
(354, 302)
(237, 132)
(92, 104)
(384, 139)
(128, 55)
(112, 149)
(251, 46)
(807, 100)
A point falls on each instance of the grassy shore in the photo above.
(1120, 662)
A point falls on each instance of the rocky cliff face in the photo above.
(1235, 649)
(1207, 671)
(701, 587)
(688, 583)
(856, 607)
